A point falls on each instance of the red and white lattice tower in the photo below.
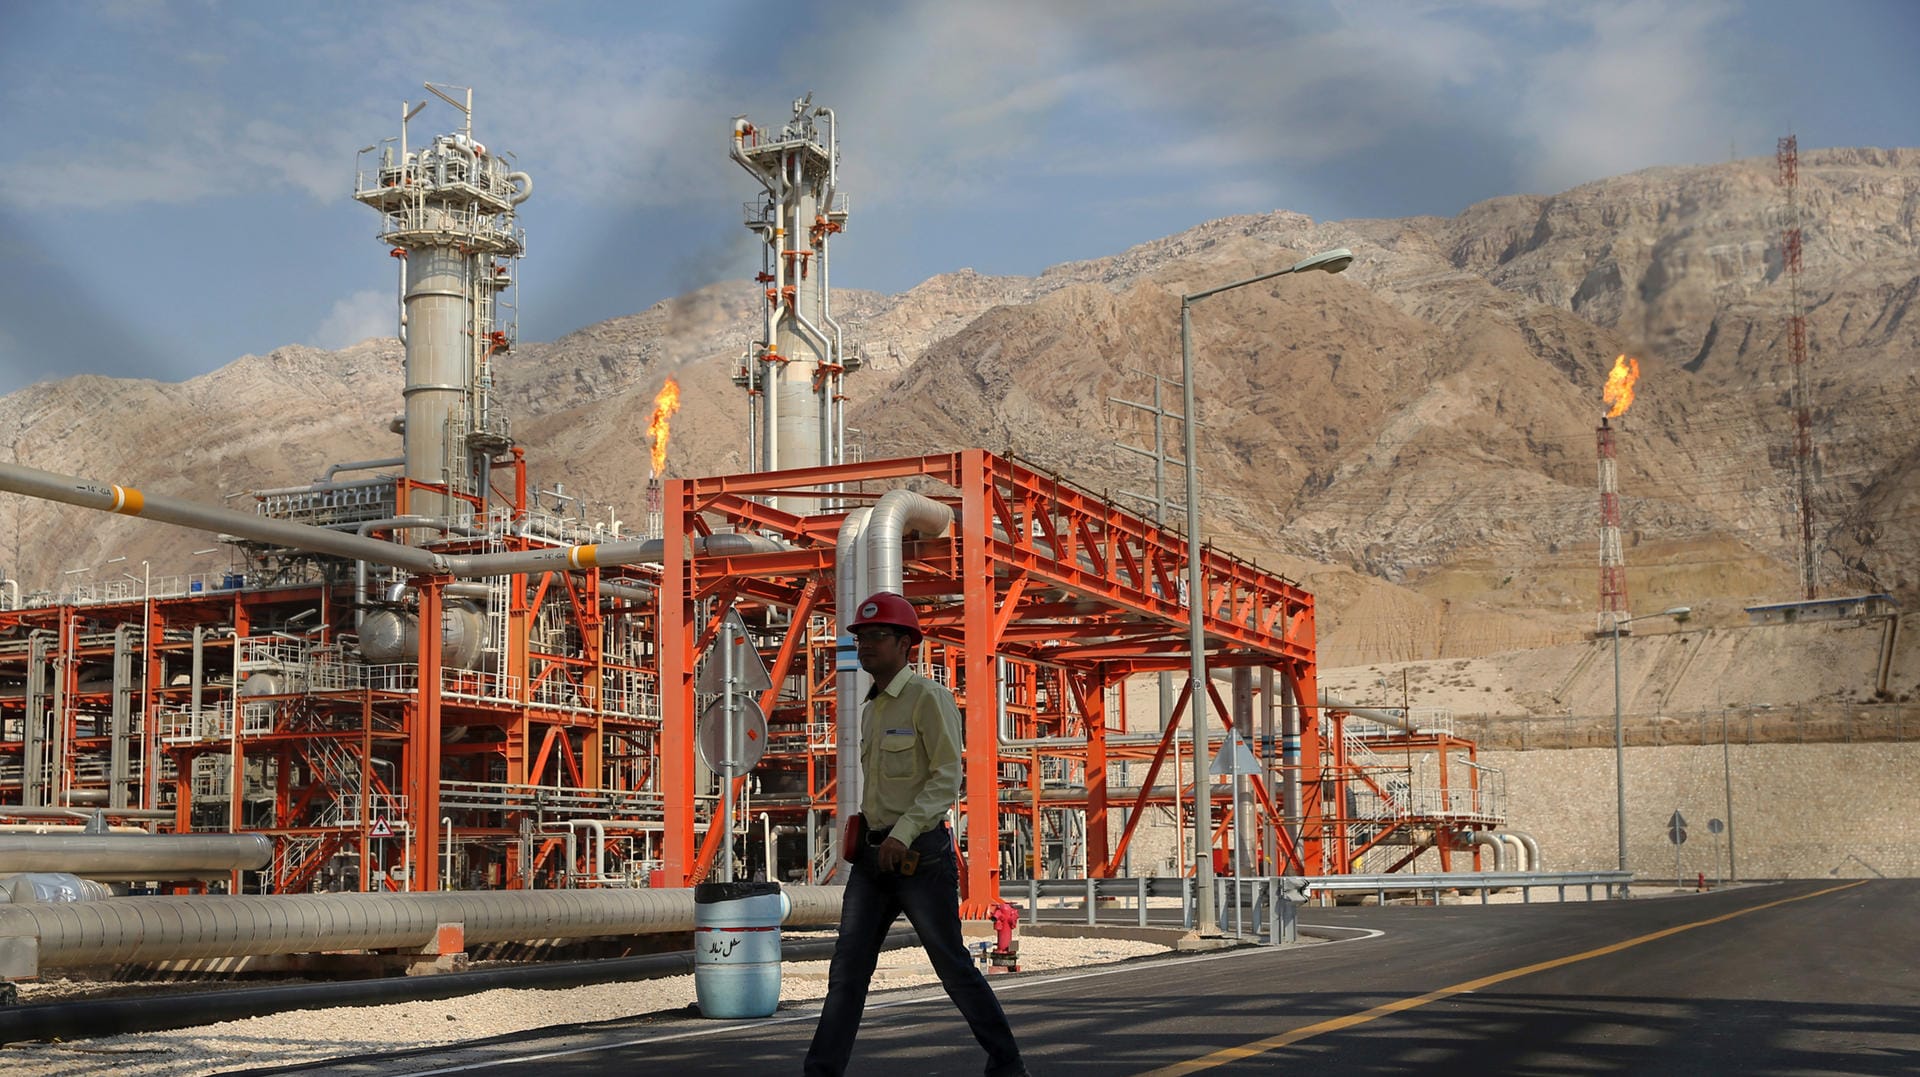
(1613, 566)
(1788, 157)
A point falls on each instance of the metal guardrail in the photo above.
(1324, 886)
(1268, 904)
(1263, 908)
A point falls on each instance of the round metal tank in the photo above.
(463, 634)
(394, 636)
(266, 682)
(389, 636)
(51, 887)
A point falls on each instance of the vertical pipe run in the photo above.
(120, 724)
(1269, 845)
(1619, 757)
(850, 682)
(64, 664)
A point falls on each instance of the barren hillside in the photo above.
(1413, 440)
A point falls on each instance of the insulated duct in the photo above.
(1482, 837)
(895, 515)
(1530, 861)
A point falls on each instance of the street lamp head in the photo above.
(1332, 261)
(1677, 611)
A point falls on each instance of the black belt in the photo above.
(876, 837)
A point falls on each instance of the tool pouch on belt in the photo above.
(854, 837)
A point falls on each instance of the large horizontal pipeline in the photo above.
(116, 1016)
(34, 938)
(108, 497)
(134, 857)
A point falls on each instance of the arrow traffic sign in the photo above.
(749, 735)
(1233, 758)
(749, 669)
(1677, 829)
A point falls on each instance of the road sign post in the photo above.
(1677, 834)
(733, 668)
(726, 749)
(1714, 827)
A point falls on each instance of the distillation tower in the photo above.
(793, 371)
(448, 216)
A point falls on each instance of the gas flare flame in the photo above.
(1619, 390)
(664, 405)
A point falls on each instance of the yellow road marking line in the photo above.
(1286, 1039)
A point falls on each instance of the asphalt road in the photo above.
(1792, 978)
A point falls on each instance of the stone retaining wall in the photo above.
(1799, 811)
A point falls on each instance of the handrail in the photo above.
(1483, 881)
(1275, 897)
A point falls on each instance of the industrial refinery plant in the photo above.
(416, 679)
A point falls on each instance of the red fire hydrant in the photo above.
(1005, 917)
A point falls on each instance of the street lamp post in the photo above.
(1619, 732)
(1726, 776)
(1205, 922)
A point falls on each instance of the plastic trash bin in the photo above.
(736, 948)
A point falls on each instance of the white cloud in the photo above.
(1640, 87)
(363, 314)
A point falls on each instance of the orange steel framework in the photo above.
(1039, 599)
(1032, 571)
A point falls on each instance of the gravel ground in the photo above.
(312, 1035)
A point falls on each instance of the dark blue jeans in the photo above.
(931, 899)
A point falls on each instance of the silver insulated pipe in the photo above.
(849, 584)
(129, 501)
(133, 858)
(897, 514)
(35, 938)
(868, 558)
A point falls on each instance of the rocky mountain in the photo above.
(1413, 439)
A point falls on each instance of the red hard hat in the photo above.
(887, 608)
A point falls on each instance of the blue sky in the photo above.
(176, 178)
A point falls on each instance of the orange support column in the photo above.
(1304, 683)
(675, 610)
(1093, 708)
(980, 890)
(423, 745)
